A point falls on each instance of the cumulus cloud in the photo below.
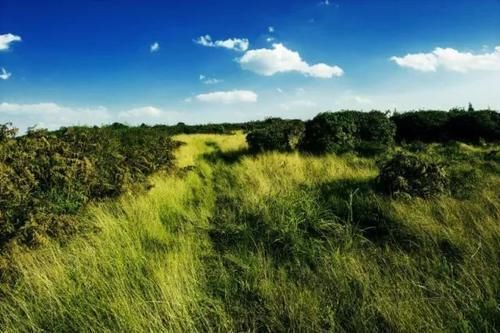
(207, 80)
(155, 47)
(452, 60)
(5, 75)
(236, 44)
(279, 59)
(228, 97)
(7, 39)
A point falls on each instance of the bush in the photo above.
(276, 134)
(424, 126)
(441, 126)
(474, 126)
(410, 175)
(47, 177)
(465, 182)
(345, 131)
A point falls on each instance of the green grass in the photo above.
(273, 242)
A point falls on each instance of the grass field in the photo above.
(273, 242)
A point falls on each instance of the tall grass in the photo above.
(273, 242)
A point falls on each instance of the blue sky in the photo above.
(92, 62)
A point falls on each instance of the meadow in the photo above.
(237, 241)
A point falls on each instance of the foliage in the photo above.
(345, 131)
(442, 126)
(276, 134)
(273, 242)
(46, 177)
(411, 175)
(7, 131)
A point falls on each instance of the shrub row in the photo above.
(441, 126)
(372, 132)
(328, 132)
(47, 177)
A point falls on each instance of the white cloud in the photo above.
(452, 60)
(52, 115)
(298, 104)
(228, 97)
(362, 100)
(146, 111)
(155, 47)
(279, 59)
(5, 75)
(325, 3)
(237, 44)
(269, 39)
(6, 39)
(149, 115)
(270, 29)
(300, 91)
(207, 80)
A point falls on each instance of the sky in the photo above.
(99, 61)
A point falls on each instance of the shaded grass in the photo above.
(272, 242)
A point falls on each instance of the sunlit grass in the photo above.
(273, 242)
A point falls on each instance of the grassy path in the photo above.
(275, 242)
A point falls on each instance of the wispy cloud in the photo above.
(7, 39)
(279, 59)
(298, 104)
(5, 75)
(53, 115)
(207, 80)
(228, 97)
(149, 115)
(450, 59)
(270, 29)
(155, 47)
(236, 44)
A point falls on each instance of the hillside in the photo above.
(234, 241)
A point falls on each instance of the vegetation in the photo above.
(411, 175)
(405, 240)
(46, 178)
(440, 126)
(276, 134)
(340, 132)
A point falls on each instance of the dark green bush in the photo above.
(424, 126)
(47, 177)
(411, 175)
(474, 126)
(339, 132)
(465, 182)
(277, 134)
(442, 126)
